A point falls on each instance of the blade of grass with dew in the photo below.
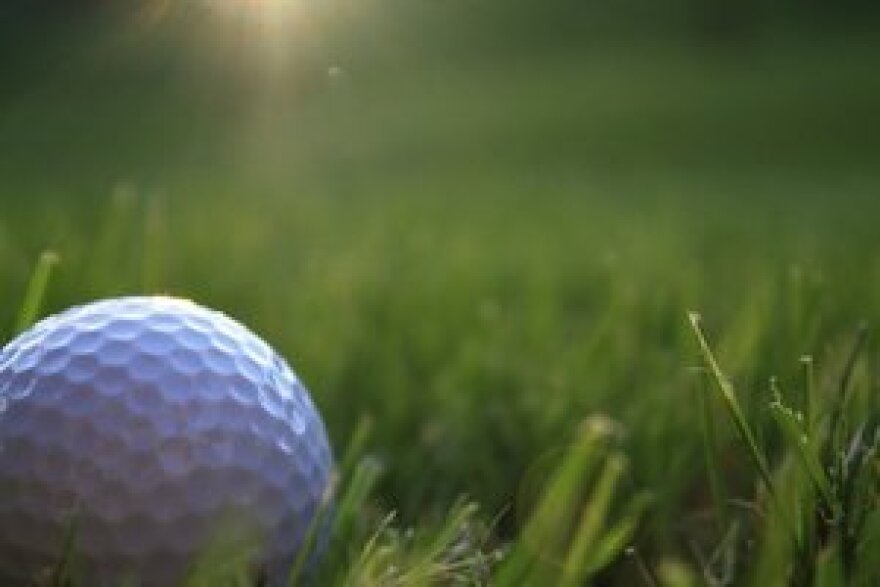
(36, 290)
(811, 492)
(747, 437)
(794, 430)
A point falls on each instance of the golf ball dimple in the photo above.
(144, 425)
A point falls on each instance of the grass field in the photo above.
(484, 275)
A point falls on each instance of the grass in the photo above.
(485, 276)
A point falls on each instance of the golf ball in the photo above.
(137, 432)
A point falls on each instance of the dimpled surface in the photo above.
(151, 422)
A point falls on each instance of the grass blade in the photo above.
(565, 537)
(313, 536)
(356, 445)
(837, 432)
(794, 430)
(36, 290)
(747, 437)
(734, 409)
(592, 522)
(155, 236)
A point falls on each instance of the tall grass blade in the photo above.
(155, 238)
(734, 409)
(747, 437)
(36, 290)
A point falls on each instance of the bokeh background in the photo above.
(477, 221)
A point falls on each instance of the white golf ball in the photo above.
(141, 428)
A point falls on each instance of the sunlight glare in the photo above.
(266, 11)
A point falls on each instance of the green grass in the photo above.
(485, 276)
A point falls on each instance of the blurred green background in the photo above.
(334, 96)
(477, 221)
